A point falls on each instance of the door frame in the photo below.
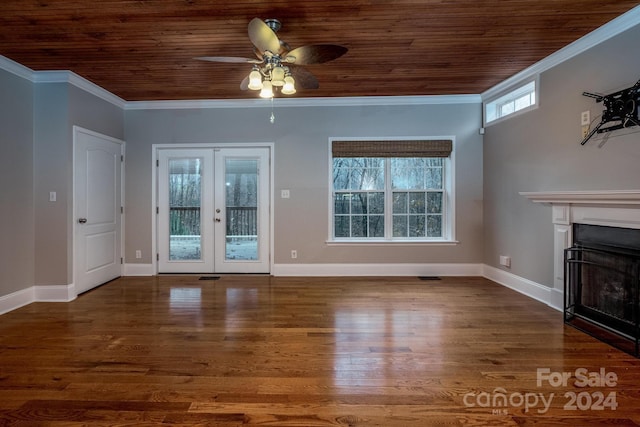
(155, 148)
(74, 235)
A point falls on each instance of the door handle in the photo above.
(82, 220)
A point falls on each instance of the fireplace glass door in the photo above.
(601, 289)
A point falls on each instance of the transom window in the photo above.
(518, 100)
(390, 190)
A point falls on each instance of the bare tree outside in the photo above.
(185, 197)
(410, 188)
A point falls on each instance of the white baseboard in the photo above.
(138, 270)
(53, 293)
(526, 287)
(16, 300)
(550, 296)
(347, 270)
(557, 299)
(377, 270)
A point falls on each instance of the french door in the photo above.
(213, 210)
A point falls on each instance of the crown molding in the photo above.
(82, 83)
(60, 77)
(15, 68)
(79, 82)
(304, 102)
(612, 28)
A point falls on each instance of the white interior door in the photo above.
(213, 210)
(97, 212)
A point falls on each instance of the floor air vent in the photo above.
(428, 278)
(209, 278)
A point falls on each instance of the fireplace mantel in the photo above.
(614, 208)
(616, 197)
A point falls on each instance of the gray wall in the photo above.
(541, 151)
(58, 107)
(16, 184)
(36, 153)
(300, 136)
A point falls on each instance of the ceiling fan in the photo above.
(277, 65)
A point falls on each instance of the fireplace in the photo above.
(601, 284)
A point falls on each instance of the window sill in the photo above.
(392, 242)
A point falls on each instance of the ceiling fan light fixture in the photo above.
(267, 90)
(277, 75)
(255, 79)
(270, 69)
(289, 87)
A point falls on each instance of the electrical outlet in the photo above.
(294, 254)
(505, 261)
(138, 254)
(285, 194)
(585, 118)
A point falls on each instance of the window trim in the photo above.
(511, 95)
(449, 217)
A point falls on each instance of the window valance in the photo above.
(393, 148)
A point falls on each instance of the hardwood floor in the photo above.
(264, 351)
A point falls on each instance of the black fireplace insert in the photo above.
(602, 284)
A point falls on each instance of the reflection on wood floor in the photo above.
(264, 351)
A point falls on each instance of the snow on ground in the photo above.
(188, 248)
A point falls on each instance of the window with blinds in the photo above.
(391, 189)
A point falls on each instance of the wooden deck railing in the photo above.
(241, 221)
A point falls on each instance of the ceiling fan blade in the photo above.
(284, 48)
(244, 85)
(263, 37)
(315, 54)
(232, 59)
(304, 78)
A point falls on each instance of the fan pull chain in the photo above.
(272, 119)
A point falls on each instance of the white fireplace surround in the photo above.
(613, 208)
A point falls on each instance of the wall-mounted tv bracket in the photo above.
(620, 110)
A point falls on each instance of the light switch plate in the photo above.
(585, 118)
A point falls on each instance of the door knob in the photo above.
(82, 220)
(218, 220)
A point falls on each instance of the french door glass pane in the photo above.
(241, 180)
(185, 194)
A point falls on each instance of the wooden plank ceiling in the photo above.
(144, 49)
